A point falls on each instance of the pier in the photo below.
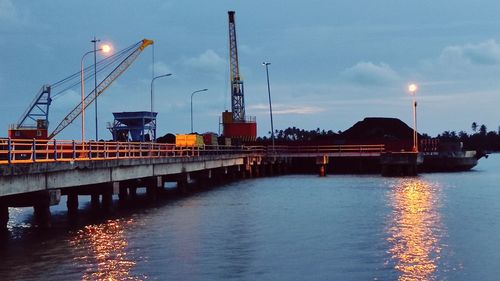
(37, 173)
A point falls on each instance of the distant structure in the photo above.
(134, 126)
(235, 124)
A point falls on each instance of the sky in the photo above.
(333, 63)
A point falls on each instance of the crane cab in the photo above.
(40, 131)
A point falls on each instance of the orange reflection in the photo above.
(103, 251)
(415, 229)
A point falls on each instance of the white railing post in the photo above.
(90, 149)
(33, 150)
(55, 150)
(9, 152)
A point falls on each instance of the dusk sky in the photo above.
(333, 63)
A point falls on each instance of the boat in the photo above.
(448, 157)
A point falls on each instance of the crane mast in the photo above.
(237, 94)
(236, 125)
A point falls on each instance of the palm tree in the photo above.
(474, 127)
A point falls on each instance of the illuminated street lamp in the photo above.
(413, 90)
(105, 49)
(192, 94)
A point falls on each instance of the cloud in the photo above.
(8, 11)
(484, 53)
(161, 68)
(209, 61)
(370, 74)
(287, 109)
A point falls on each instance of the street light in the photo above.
(413, 90)
(152, 80)
(104, 48)
(266, 64)
(192, 94)
(151, 88)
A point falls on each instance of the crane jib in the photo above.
(101, 87)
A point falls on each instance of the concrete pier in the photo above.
(321, 162)
(400, 163)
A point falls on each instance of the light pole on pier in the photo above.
(192, 94)
(151, 88)
(95, 86)
(105, 49)
(152, 81)
(266, 64)
(413, 90)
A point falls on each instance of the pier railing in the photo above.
(13, 151)
(334, 150)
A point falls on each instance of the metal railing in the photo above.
(14, 151)
(350, 149)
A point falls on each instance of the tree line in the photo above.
(479, 139)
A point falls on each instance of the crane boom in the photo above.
(39, 108)
(101, 87)
(237, 96)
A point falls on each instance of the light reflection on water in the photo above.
(415, 229)
(101, 250)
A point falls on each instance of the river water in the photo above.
(442, 226)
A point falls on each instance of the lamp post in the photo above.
(413, 90)
(104, 48)
(95, 86)
(151, 88)
(152, 81)
(266, 64)
(192, 94)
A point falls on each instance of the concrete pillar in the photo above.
(233, 175)
(203, 179)
(132, 192)
(263, 169)
(322, 170)
(182, 184)
(270, 169)
(322, 161)
(42, 210)
(255, 170)
(278, 169)
(242, 171)
(72, 203)
(123, 194)
(4, 216)
(107, 200)
(152, 192)
(94, 200)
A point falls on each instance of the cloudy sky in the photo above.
(333, 62)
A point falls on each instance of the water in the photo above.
(442, 226)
